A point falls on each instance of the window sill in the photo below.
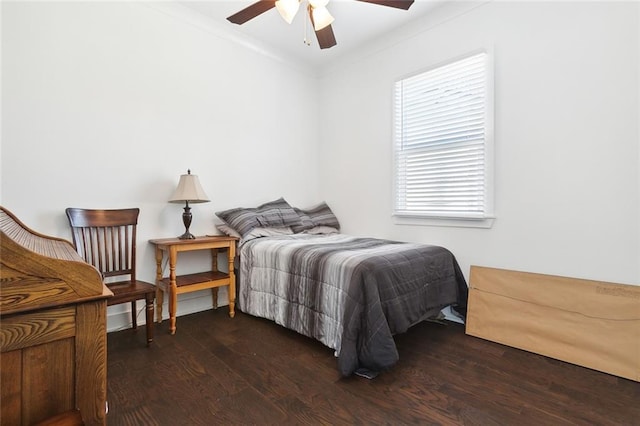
(442, 221)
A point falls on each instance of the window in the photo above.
(443, 141)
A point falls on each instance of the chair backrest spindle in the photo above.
(106, 239)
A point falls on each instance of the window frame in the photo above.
(425, 218)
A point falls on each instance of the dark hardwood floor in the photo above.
(246, 370)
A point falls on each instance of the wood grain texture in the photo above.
(52, 328)
(48, 380)
(68, 418)
(91, 359)
(20, 331)
(11, 387)
(21, 292)
(248, 370)
(83, 279)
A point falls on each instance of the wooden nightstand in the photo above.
(212, 279)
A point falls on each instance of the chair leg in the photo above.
(149, 310)
(159, 302)
(134, 320)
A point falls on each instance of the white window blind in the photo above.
(442, 141)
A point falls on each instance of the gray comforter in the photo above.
(352, 294)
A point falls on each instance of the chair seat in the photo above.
(127, 291)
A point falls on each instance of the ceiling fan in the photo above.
(320, 17)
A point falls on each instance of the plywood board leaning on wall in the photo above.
(589, 323)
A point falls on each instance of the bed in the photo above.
(350, 293)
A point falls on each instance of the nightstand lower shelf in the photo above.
(198, 281)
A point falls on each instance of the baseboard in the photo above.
(119, 316)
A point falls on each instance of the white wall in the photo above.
(567, 192)
(105, 104)
(82, 82)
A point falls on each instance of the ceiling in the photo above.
(356, 24)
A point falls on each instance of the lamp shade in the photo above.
(189, 189)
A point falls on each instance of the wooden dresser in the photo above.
(53, 339)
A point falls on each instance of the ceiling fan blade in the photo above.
(252, 11)
(326, 38)
(398, 4)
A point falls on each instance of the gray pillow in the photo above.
(277, 213)
(227, 230)
(321, 215)
(305, 222)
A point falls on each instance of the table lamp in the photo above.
(189, 190)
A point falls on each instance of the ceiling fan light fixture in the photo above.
(287, 9)
(321, 18)
(315, 11)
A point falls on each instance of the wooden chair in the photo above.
(106, 239)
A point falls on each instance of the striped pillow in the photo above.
(277, 213)
(305, 222)
(321, 215)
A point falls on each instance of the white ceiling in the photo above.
(356, 24)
